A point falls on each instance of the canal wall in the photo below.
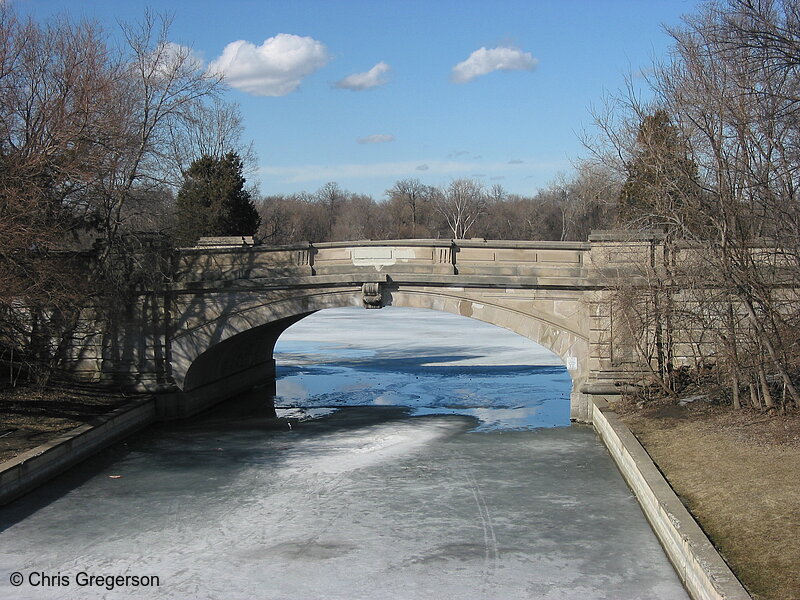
(700, 567)
(30, 469)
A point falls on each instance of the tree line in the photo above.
(464, 208)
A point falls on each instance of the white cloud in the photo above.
(484, 61)
(169, 58)
(364, 81)
(275, 68)
(422, 168)
(378, 138)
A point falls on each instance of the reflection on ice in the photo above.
(367, 446)
(499, 418)
(293, 389)
(511, 398)
(303, 414)
(413, 332)
(432, 363)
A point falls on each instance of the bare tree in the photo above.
(294, 218)
(163, 83)
(83, 134)
(212, 129)
(330, 196)
(54, 81)
(722, 177)
(497, 193)
(461, 203)
(413, 194)
(359, 217)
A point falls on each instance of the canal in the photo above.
(414, 455)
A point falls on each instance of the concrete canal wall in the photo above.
(30, 469)
(700, 567)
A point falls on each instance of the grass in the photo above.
(738, 473)
(30, 416)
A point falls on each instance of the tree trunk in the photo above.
(754, 396)
(765, 339)
(737, 404)
(762, 377)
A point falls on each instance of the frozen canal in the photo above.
(410, 460)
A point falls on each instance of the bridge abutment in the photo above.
(180, 404)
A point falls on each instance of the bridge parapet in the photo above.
(215, 264)
(426, 256)
(629, 252)
(558, 261)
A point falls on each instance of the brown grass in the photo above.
(31, 416)
(738, 472)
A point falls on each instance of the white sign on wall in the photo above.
(572, 363)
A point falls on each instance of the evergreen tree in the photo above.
(661, 189)
(213, 200)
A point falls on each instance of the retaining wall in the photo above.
(30, 469)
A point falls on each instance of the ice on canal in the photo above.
(416, 455)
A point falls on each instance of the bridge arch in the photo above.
(231, 350)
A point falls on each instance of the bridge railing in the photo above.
(430, 257)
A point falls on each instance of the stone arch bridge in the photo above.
(210, 333)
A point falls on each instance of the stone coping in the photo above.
(704, 573)
(438, 243)
(365, 276)
(625, 235)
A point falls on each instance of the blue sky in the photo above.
(367, 92)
